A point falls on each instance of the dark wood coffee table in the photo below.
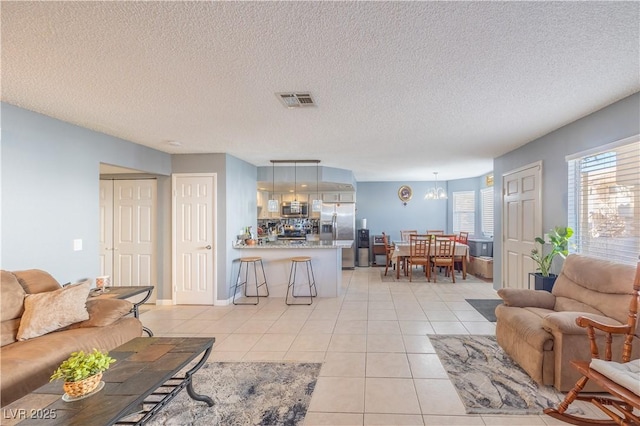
(143, 380)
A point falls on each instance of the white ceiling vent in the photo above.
(295, 100)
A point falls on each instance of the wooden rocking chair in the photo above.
(625, 392)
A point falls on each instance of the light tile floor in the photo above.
(379, 367)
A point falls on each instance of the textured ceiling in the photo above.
(403, 89)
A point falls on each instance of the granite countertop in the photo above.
(298, 244)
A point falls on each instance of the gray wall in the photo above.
(236, 208)
(615, 122)
(50, 183)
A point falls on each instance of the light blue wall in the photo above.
(237, 203)
(50, 183)
(615, 122)
(378, 202)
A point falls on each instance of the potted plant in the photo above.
(82, 372)
(559, 241)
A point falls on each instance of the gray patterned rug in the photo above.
(245, 393)
(487, 380)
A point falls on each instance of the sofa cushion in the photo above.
(36, 281)
(11, 307)
(528, 324)
(521, 297)
(52, 310)
(602, 285)
(625, 374)
(103, 312)
(565, 322)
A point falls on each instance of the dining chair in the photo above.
(443, 257)
(388, 250)
(404, 235)
(419, 251)
(435, 231)
(463, 237)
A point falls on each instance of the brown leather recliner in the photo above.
(538, 329)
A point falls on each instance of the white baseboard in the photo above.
(164, 302)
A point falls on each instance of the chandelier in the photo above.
(272, 205)
(436, 193)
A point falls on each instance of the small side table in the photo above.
(126, 292)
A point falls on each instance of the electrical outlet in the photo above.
(77, 245)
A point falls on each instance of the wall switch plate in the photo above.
(77, 245)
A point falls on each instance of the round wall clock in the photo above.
(405, 193)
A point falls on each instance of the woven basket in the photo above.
(82, 387)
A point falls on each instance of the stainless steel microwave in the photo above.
(285, 210)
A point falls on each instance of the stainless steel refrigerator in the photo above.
(338, 222)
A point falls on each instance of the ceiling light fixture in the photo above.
(436, 193)
(295, 204)
(316, 205)
(272, 205)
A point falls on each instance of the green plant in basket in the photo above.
(559, 240)
(80, 366)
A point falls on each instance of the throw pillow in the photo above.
(36, 281)
(52, 310)
(103, 312)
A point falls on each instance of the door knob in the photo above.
(208, 247)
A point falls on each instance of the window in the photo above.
(464, 211)
(486, 196)
(604, 201)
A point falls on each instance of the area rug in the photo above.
(418, 277)
(487, 380)
(245, 393)
(487, 307)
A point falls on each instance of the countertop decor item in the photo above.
(82, 372)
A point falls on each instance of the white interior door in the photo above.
(194, 204)
(521, 223)
(106, 227)
(133, 230)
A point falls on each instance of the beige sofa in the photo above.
(41, 324)
(538, 329)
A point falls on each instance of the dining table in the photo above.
(402, 250)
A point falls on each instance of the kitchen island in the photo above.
(326, 257)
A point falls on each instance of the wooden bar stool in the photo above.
(247, 262)
(311, 280)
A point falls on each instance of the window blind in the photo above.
(604, 202)
(486, 198)
(464, 212)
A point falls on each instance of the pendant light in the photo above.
(316, 205)
(436, 193)
(295, 204)
(272, 205)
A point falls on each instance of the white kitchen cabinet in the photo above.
(290, 196)
(338, 197)
(347, 197)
